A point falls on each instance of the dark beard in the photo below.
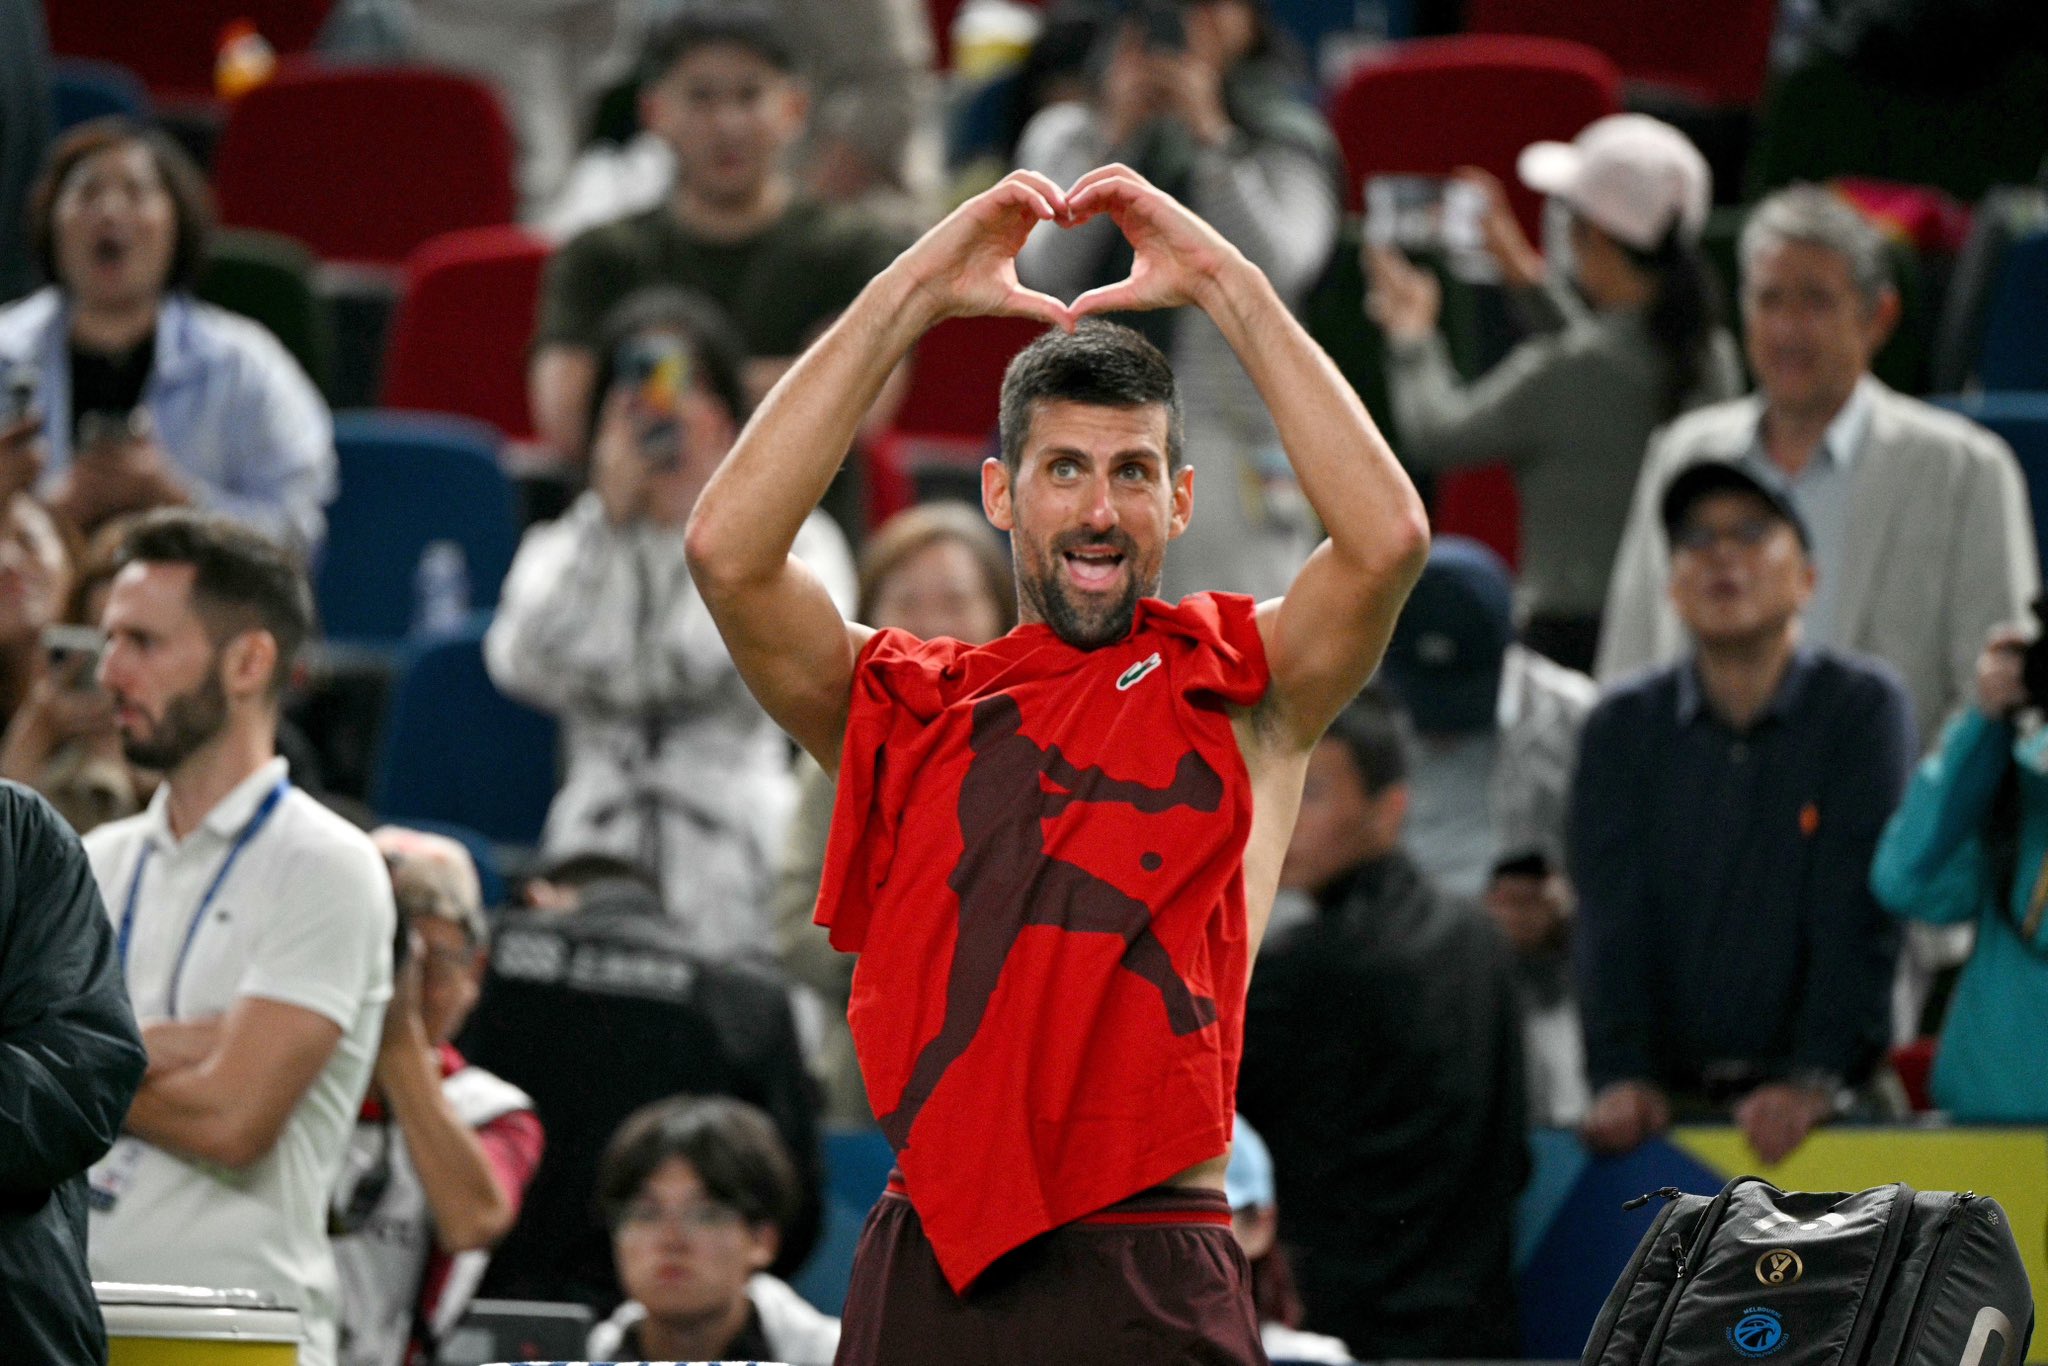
(1086, 626)
(190, 720)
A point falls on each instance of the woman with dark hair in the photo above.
(670, 761)
(696, 1191)
(141, 396)
(1632, 342)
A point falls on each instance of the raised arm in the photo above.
(789, 640)
(1325, 637)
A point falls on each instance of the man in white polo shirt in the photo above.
(255, 928)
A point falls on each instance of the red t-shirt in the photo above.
(1019, 828)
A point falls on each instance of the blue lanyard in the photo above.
(255, 824)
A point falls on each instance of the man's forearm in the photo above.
(469, 1208)
(1347, 471)
(185, 1111)
(749, 515)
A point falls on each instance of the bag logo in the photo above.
(1136, 672)
(1779, 1266)
(1758, 1333)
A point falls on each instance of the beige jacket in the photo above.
(1941, 547)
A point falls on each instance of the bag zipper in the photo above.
(1945, 1244)
(1881, 1269)
(1610, 1314)
(1688, 1259)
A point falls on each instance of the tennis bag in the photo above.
(1886, 1277)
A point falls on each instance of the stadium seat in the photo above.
(83, 88)
(455, 749)
(459, 341)
(948, 414)
(2014, 354)
(269, 277)
(1713, 51)
(171, 46)
(365, 163)
(1435, 104)
(408, 480)
(2022, 419)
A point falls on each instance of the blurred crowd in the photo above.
(1704, 779)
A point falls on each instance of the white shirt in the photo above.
(1821, 493)
(304, 917)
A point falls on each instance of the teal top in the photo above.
(1932, 865)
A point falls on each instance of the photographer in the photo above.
(442, 1151)
(671, 762)
(1969, 843)
(1627, 340)
(1200, 98)
(143, 396)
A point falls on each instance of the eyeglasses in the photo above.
(645, 1217)
(1746, 533)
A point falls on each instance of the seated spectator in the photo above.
(63, 739)
(671, 762)
(1921, 529)
(933, 570)
(1255, 1219)
(697, 1193)
(595, 1007)
(145, 396)
(1627, 342)
(1498, 719)
(720, 88)
(1731, 960)
(442, 1150)
(1383, 1063)
(1214, 116)
(36, 571)
(1967, 845)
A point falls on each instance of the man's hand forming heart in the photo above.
(967, 265)
(1177, 258)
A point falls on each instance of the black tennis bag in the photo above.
(1886, 1277)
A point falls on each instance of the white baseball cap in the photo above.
(1629, 175)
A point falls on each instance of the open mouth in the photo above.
(1093, 567)
(108, 251)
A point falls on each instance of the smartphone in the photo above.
(1532, 864)
(656, 368)
(74, 654)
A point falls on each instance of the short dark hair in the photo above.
(1375, 728)
(732, 1146)
(714, 341)
(242, 580)
(702, 24)
(1099, 362)
(910, 531)
(190, 202)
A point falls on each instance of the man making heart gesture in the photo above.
(1056, 853)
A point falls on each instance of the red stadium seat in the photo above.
(365, 163)
(171, 45)
(459, 340)
(1714, 51)
(1435, 104)
(948, 412)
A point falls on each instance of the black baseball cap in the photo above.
(1724, 476)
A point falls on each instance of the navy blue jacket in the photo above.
(70, 1060)
(1725, 914)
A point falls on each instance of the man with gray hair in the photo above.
(1921, 532)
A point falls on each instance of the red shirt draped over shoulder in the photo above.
(1010, 818)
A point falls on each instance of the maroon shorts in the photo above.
(1155, 1278)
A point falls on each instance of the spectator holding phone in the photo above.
(671, 762)
(1627, 338)
(143, 396)
(1968, 844)
(1201, 98)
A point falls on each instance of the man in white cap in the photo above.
(1625, 339)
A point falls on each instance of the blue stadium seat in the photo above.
(83, 88)
(2015, 349)
(2022, 419)
(408, 480)
(457, 750)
